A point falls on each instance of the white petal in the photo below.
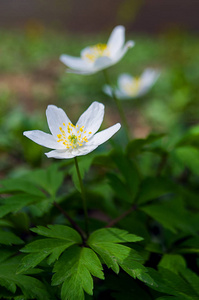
(149, 76)
(60, 154)
(43, 139)
(108, 90)
(116, 40)
(75, 63)
(120, 94)
(147, 80)
(92, 118)
(103, 62)
(71, 152)
(123, 80)
(104, 135)
(56, 117)
(122, 52)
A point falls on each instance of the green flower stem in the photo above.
(122, 216)
(83, 195)
(119, 107)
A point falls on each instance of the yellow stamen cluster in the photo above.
(133, 87)
(71, 136)
(97, 51)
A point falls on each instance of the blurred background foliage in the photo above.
(34, 34)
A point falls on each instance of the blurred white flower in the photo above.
(100, 56)
(133, 87)
(70, 140)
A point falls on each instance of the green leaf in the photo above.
(172, 215)
(170, 298)
(49, 179)
(19, 185)
(172, 262)
(191, 277)
(190, 245)
(188, 156)
(154, 187)
(74, 270)
(5, 253)
(106, 242)
(173, 284)
(119, 188)
(15, 203)
(130, 175)
(31, 287)
(137, 145)
(5, 223)
(9, 238)
(59, 238)
(113, 235)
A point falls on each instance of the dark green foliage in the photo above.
(59, 257)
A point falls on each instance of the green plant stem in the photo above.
(73, 223)
(119, 106)
(122, 216)
(83, 196)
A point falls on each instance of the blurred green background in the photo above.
(33, 34)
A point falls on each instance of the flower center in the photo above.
(72, 136)
(133, 87)
(96, 51)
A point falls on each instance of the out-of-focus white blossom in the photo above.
(100, 56)
(133, 87)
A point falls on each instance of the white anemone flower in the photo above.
(132, 87)
(70, 140)
(101, 56)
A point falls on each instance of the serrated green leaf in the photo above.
(9, 285)
(106, 241)
(113, 235)
(50, 179)
(9, 238)
(31, 287)
(74, 270)
(172, 262)
(60, 238)
(17, 202)
(172, 284)
(190, 277)
(58, 231)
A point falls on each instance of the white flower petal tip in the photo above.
(100, 56)
(130, 87)
(68, 140)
